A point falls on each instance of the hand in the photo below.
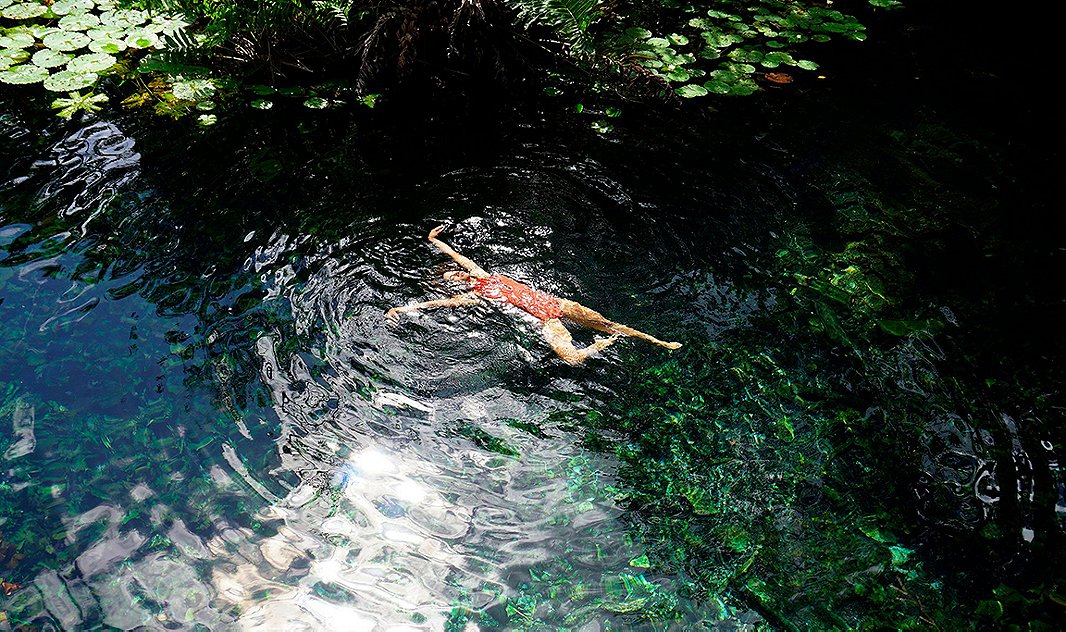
(393, 314)
(673, 345)
(436, 231)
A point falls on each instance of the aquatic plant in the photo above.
(68, 45)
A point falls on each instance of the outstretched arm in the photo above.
(468, 298)
(467, 264)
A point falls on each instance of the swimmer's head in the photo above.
(458, 277)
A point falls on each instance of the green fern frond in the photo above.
(569, 18)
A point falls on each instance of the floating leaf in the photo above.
(48, 58)
(678, 39)
(109, 46)
(124, 17)
(69, 80)
(106, 32)
(141, 38)
(638, 33)
(65, 41)
(78, 102)
(26, 73)
(807, 64)
(94, 62)
(778, 77)
(205, 120)
(78, 22)
(262, 104)
(205, 106)
(24, 11)
(193, 89)
(17, 38)
(166, 25)
(690, 91)
(316, 103)
(14, 55)
(63, 7)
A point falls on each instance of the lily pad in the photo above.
(64, 7)
(13, 55)
(316, 103)
(93, 62)
(691, 91)
(141, 38)
(807, 64)
(24, 11)
(17, 38)
(78, 22)
(193, 89)
(262, 104)
(166, 25)
(41, 31)
(48, 58)
(26, 73)
(109, 46)
(65, 41)
(124, 18)
(104, 32)
(69, 80)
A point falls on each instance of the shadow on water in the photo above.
(213, 424)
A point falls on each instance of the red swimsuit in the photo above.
(543, 306)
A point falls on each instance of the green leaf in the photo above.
(63, 7)
(17, 38)
(78, 22)
(691, 91)
(262, 104)
(69, 80)
(64, 41)
(106, 32)
(206, 120)
(141, 38)
(638, 33)
(807, 64)
(14, 55)
(111, 47)
(124, 18)
(78, 102)
(316, 103)
(24, 11)
(26, 73)
(47, 58)
(678, 39)
(193, 89)
(93, 62)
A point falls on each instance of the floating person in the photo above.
(550, 310)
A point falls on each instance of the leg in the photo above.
(468, 298)
(562, 343)
(591, 318)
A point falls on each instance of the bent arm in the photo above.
(467, 264)
(469, 298)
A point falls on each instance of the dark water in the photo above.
(212, 424)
